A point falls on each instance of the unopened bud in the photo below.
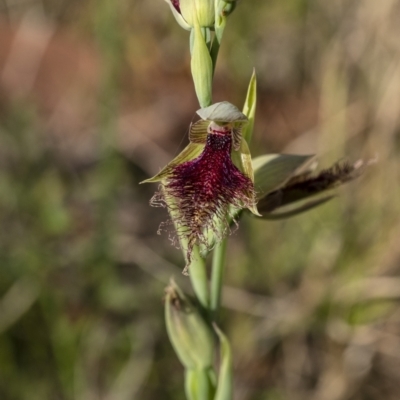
(189, 334)
(198, 11)
(176, 11)
(188, 13)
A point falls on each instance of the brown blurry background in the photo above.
(96, 96)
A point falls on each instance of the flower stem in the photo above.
(217, 273)
(198, 277)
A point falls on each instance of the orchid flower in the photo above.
(210, 180)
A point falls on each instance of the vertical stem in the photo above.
(214, 52)
(198, 277)
(217, 274)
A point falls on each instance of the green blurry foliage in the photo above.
(310, 302)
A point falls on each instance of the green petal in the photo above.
(249, 108)
(274, 170)
(222, 112)
(191, 151)
(198, 132)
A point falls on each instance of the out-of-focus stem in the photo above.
(217, 274)
(198, 277)
(214, 52)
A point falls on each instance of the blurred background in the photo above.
(96, 96)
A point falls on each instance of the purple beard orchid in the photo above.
(202, 188)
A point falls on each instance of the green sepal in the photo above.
(225, 376)
(274, 170)
(222, 112)
(191, 151)
(200, 384)
(191, 41)
(249, 108)
(206, 32)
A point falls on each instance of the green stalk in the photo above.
(214, 52)
(217, 274)
(198, 277)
